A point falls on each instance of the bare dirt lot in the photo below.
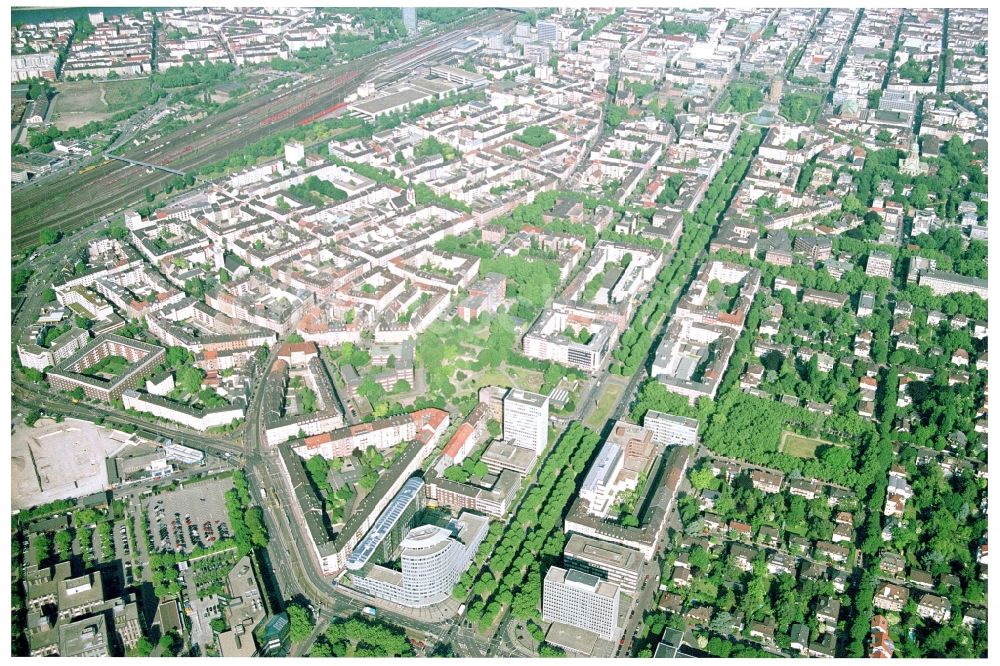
(60, 460)
(81, 102)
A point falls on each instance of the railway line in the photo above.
(110, 186)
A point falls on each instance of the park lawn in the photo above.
(507, 375)
(530, 380)
(489, 377)
(801, 447)
(606, 401)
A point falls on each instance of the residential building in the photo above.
(879, 264)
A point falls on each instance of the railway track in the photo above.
(61, 204)
(57, 204)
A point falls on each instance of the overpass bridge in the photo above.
(145, 164)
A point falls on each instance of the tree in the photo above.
(189, 379)
(548, 650)
(77, 393)
(837, 459)
(195, 287)
(773, 361)
(702, 478)
(33, 375)
(371, 390)
(170, 644)
(143, 647)
(178, 356)
(301, 621)
(118, 230)
(49, 236)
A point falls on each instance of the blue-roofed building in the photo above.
(388, 530)
(274, 636)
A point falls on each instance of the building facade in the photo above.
(581, 600)
(671, 429)
(609, 561)
(526, 420)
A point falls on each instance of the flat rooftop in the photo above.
(572, 638)
(65, 460)
(603, 553)
(385, 522)
(392, 101)
(526, 397)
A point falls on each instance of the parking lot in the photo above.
(193, 516)
(123, 550)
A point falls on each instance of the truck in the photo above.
(368, 610)
(461, 609)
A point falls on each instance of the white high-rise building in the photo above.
(295, 152)
(526, 420)
(581, 600)
(671, 429)
(410, 20)
(548, 31)
(879, 264)
(431, 560)
(493, 39)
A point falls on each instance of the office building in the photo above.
(526, 420)
(625, 459)
(608, 561)
(387, 532)
(492, 496)
(774, 94)
(581, 600)
(458, 75)
(274, 636)
(431, 560)
(943, 283)
(85, 638)
(548, 31)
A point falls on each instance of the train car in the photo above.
(92, 166)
